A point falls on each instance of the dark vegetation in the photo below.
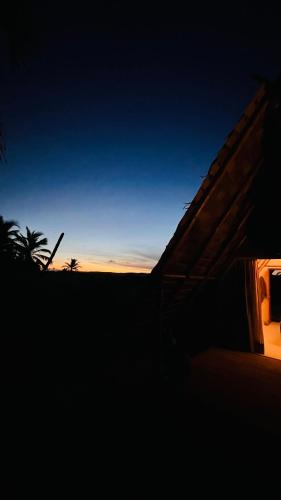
(81, 335)
(81, 328)
(80, 362)
(82, 349)
(19, 252)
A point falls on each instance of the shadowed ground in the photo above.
(237, 390)
(80, 369)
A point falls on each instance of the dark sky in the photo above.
(116, 111)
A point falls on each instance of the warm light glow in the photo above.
(271, 329)
(272, 340)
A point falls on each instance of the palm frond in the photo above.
(42, 242)
(45, 250)
(30, 247)
(40, 256)
(21, 240)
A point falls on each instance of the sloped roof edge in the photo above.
(230, 146)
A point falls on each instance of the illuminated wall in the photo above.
(264, 267)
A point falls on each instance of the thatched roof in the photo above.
(214, 229)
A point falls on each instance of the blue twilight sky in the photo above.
(114, 117)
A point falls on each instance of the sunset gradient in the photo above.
(113, 123)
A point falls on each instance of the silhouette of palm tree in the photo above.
(73, 265)
(30, 247)
(8, 234)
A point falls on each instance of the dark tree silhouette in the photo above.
(8, 235)
(30, 248)
(73, 265)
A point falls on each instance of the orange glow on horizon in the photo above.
(105, 267)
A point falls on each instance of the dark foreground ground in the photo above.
(79, 331)
(82, 376)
